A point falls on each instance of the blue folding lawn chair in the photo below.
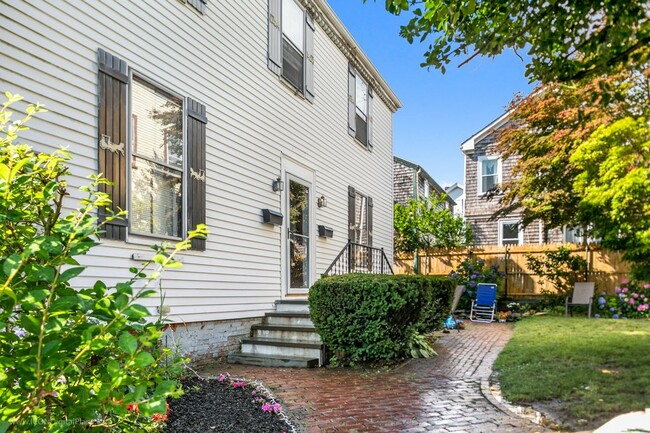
(485, 305)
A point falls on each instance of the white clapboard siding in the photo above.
(254, 120)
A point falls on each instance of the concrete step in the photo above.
(272, 360)
(305, 334)
(288, 318)
(297, 305)
(273, 346)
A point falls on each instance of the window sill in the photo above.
(296, 92)
(360, 143)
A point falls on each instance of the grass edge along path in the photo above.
(585, 371)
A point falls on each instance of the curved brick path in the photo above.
(440, 394)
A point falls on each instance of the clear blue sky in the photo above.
(440, 111)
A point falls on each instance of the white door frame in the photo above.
(294, 170)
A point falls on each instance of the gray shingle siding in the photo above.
(478, 209)
(402, 183)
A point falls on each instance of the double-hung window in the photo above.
(510, 233)
(157, 170)
(360, 97)
(291, 45)
(489, 173)
(359, 217)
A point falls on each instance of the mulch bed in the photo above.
(213, 406)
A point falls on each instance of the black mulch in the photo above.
(210, 406)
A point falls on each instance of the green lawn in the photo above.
(591, 369)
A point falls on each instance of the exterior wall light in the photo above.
(322, 201)
(278, 185)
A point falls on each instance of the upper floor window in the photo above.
(489, 173)
(291, 45)
(359, 108)
(361, 113)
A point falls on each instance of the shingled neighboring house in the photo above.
(411, 181)
(253, 117)
(457, 194)
(485, 169)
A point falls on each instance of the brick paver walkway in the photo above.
(441, 394)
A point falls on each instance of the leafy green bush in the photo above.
(368, 318)
(70, 359)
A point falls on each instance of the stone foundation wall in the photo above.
(203, 342)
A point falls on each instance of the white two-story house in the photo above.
(261, 118)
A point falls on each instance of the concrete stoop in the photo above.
(286, 338)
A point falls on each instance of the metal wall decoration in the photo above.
(198, 175)
(106, 144)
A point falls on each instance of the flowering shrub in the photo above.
(470, 273)
(631, 300)
(71, 359)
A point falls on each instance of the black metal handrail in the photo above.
(359, 258)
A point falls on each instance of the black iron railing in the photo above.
(359, 258)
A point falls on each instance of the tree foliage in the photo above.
(566, 39)
(560, 268)
(582, 159)
(427, 223)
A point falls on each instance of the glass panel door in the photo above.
(299, 234)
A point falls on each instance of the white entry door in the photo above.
(299, 243)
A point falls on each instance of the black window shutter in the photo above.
(275, 36)
(352, 194)
(370, 221)
(309, 58)
(352, 93)
(112, 117)
(370, 118)
(196, 177)
(199, 5)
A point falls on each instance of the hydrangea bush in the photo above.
(71, 359)
(631, 300)
(470, 273)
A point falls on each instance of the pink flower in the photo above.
(266, 407)
(276, 407)
(617, 290)
(631, 301)
(646, 286)
(221, 378)
(625, 281)
(624, 289)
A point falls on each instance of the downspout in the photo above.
(416, 196)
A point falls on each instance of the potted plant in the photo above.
(503, 316)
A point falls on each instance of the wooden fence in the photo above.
(605, 268)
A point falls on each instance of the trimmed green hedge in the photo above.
(367, 318)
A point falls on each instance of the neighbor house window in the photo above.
(293, 43)
(156, 194)
(510, 233)
(488, 173)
